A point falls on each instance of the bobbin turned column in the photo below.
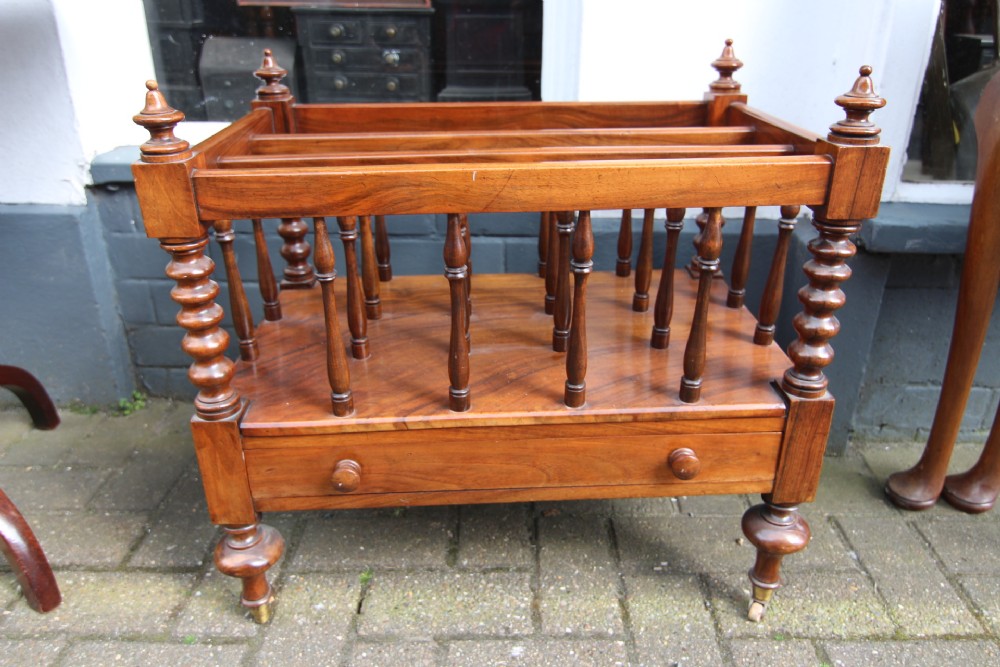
(218, 406)
(853, 144)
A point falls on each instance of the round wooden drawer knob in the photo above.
(346, 476)
(684, 463)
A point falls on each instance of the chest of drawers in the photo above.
(367, 55)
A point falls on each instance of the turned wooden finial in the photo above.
(271, 74)
(859, 102)
(160, 119)
(726, 64)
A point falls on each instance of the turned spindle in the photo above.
(543, 242)
(463, 220)
(663, 309)
(552, 265)
(456, 256)
(238, 305)
(700, 221)
(822, 297)
(265, 274)
(576, 357)
(204, 341)
(356, 321)
(382, 249)
(337, 370)
(770, 300)
(623, 267)
(369, 270)
(298, 272)
(644, 264)
(563, 306)
(741, 261)
(709, 245)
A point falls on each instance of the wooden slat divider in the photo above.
(541, 154)
(422, 117)
(481, 188)
(269, 144)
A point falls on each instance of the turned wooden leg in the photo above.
(976, 490)
(26, 559)
(776, 531)
(248, 552)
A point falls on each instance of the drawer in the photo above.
(343, 86)
(434, 462)
(385, 59)
(396, 30)
(336, 30)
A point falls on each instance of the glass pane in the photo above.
(963, 59)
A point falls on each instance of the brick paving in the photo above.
(116, 503)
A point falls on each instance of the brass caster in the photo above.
(262, 613)
(756, 611)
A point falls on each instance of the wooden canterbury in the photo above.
(503, 388)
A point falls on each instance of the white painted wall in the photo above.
(72, 78)
(798, 55)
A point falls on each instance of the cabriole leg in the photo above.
(776, 531)
(247, 552)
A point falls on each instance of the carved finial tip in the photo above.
(267, 53)
(152, 85)
(729, 42)
(865, 70)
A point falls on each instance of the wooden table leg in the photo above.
(27, 559)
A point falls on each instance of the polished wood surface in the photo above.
(515, 378)
(488, 388)
(25, 557)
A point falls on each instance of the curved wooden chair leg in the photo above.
(976, 489)
(32, 394)
(27, 559)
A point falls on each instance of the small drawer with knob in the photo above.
(395, 31)
(354, 86)
(336, 30)
(458, 460)
(374, 59)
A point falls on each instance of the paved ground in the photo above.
(116, 503)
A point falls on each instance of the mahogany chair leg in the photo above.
(247, 552)
(918, 488)
(32, 394)
(976, 489)
(26, 559)
(776, 531)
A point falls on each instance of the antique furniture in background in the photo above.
(975, 490)
(17, 541)
(371, 52)
(463, 389)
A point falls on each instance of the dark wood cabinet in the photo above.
(487, 49)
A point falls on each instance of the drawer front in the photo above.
(345, 86)
(387, 60)
(390, 31)
(336, 30)
(425, 465)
